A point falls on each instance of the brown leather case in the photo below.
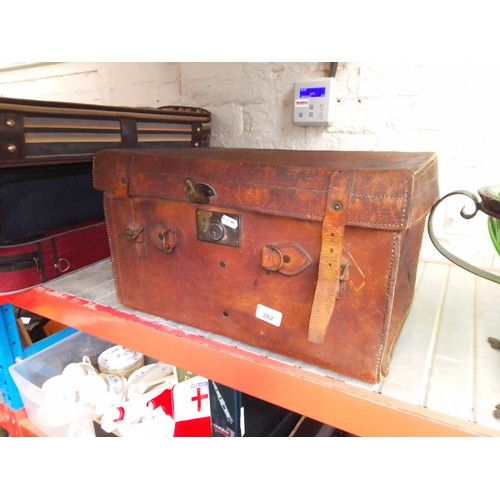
(309, 254)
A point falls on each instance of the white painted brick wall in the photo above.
(120, 84)
(447, 108)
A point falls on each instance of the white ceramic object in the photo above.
(120, 360)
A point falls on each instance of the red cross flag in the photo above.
(191, 399)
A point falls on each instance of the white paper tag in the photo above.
(229, 221)
(269, 315)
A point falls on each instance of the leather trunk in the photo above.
(309, 254)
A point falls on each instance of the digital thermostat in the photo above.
(313, 102)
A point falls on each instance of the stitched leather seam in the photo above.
(385, 325)
(403, 214)
(367, 195)
(113, 253)
(393, 341)
(372, 224)
(401, 217)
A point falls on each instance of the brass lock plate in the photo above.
(222, 228)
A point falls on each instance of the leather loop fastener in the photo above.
(163, 237)
(168, 240)
(330, 265)
(135, 234)
(286, 258)
(132, 233)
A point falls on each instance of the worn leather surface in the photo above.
(280, 198)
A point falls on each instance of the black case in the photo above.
(46, 153)
(236, 414)
(37, 199)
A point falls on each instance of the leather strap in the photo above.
(329, 268)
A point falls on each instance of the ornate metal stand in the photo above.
(488, 203)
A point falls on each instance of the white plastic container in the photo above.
(56, 418)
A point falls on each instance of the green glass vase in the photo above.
(491, 199)
(494, 229)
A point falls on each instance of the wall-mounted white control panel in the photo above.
(314, 101)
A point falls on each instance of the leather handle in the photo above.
(330, 265)
(286, 258)
(162, 237)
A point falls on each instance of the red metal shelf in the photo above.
(16, 423)
(85, 300)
